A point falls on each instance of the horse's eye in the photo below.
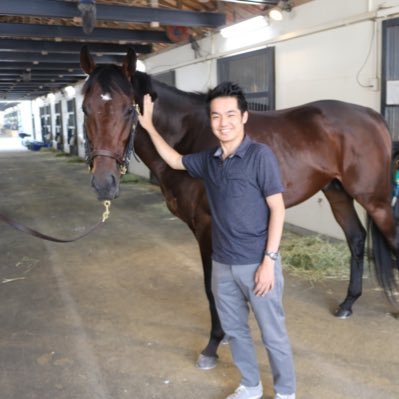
(129, 111)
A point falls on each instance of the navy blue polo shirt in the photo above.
(236, 189)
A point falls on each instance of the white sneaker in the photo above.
(243, 392)
(280, 396)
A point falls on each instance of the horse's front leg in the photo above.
(346, 216)
(208, 357)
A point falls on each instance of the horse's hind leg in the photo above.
(343, 209)
(384, 239)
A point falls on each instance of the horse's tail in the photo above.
(383, 255)
(384, 260)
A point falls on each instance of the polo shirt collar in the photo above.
(240, 152)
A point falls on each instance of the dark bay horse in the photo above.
(341, 149)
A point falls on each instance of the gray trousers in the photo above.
(233, 287)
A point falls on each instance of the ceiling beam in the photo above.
(8, 56)
(6, 66)
(64, 9)
(52, 86)
(5, 74)
(36, 80)
(17, 45)
(76, 33)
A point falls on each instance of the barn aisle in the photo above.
(123, 314)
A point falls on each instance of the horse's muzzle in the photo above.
(106, 187)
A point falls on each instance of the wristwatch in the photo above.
(271, 255)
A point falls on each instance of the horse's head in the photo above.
(110, 118)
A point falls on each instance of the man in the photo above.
(244, 190)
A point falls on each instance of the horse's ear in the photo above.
(87, 62)
(129, 63)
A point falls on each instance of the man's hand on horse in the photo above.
(145, 118)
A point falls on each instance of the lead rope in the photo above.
(35, 233)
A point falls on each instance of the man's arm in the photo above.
(264, 277)
(167, 153)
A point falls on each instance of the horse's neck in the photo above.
(173, 112)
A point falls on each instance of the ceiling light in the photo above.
(257, 2)
(246, 26)
(277, 13)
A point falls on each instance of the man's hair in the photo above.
(228, 89)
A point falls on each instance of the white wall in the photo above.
(80, 119)
(325, 49)
(26, 123)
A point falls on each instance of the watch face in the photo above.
(272, 255)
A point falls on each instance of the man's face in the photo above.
(227, 121)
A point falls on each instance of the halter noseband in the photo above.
(122, 160)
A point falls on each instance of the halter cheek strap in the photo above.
(122, 160)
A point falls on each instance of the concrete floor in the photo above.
(123, 314)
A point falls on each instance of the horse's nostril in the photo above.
(93, 182)
(113, 179)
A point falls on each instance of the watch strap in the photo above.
(272, 255)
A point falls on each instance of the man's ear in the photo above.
(245, 117)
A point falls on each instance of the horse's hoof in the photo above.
(206, 362)
(343, 313)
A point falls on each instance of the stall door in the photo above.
(390, 78)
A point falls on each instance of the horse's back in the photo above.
(325, 140)
(315, 119)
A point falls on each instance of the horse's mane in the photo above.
(144, 83)
(110, 78)
(194, 95)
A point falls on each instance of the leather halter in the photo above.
(122, 160)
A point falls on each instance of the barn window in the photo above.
(168, 78)
(254, 72)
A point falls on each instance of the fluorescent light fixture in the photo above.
(244, 27)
